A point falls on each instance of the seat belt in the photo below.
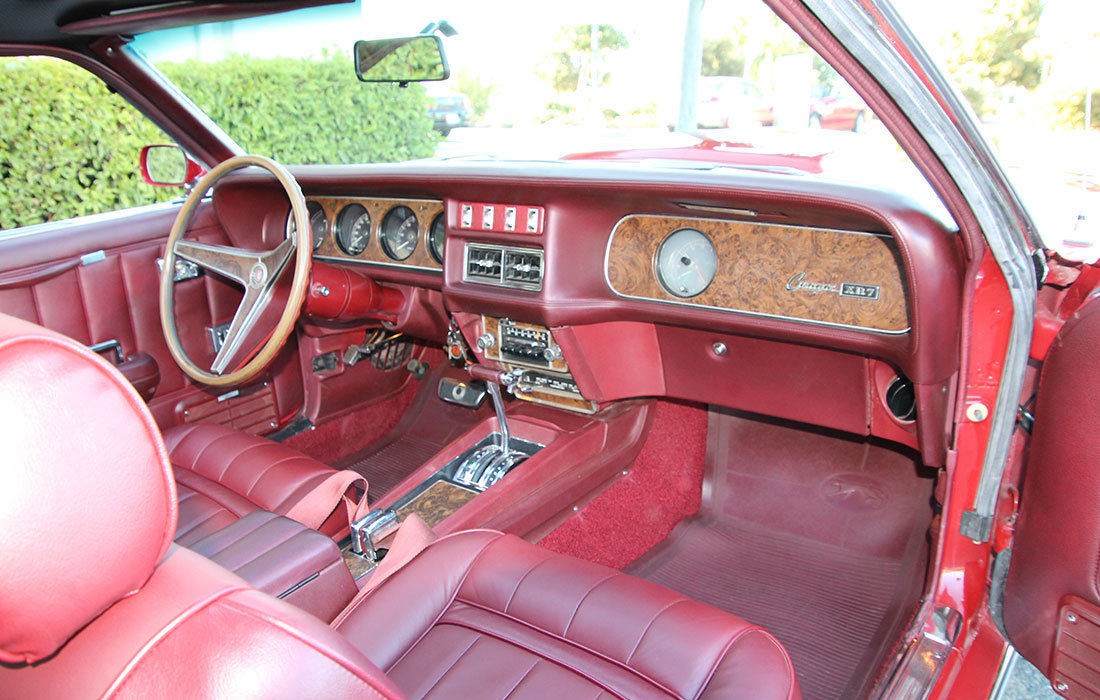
(316, 507)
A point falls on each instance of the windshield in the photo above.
(589, 81)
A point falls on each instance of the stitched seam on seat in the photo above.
(235, 458)
(285, 627)
(214, 499)
(536, 652)
(162, 634)
(449, 668)
(524, 578)
(573, 617)
(578, 645)
(446, 606)
(264, 471)
(641, 637)
(195, 526)
(522, 678)
(722, 655)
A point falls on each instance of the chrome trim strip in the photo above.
(756, 314)
(1008, 665)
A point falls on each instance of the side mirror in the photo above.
(404, 60)
(165, 165)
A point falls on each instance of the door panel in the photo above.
(43, 281)
(1053, 576)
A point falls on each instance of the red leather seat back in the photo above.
(1057, 545)
(90, 605)
(86, 492)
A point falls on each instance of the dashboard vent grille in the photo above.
(483, 264)
(504, 266)
(523, 266)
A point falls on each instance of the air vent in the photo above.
(523, 266)
(520, 268)
(483, 264)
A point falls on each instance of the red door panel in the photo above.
(1052, 595)
(116, 298)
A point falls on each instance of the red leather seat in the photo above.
(97, 601)
(224, 474)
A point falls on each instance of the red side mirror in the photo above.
(166, 165)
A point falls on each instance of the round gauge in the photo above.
(686, 263)
(437, 238)
(353, 229)
(400, 232)
(318, 224)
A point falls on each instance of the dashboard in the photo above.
(793, 297)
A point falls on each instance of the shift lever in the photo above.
(493, 379)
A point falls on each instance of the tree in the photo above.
(580, 57)
(997, 52)
(477, 90)
(721, 56)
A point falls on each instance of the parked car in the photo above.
(449, 111)
(843, 110)
(731, 101)
(604, 426)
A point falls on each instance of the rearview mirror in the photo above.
(404, 60)
(166, 165)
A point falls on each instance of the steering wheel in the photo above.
(254, 336)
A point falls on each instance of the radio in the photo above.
(527, 344)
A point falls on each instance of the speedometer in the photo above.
(318, 223)
(686, 263)
(353, 229)
(400, 232)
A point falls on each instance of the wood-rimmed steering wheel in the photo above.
(251, 341)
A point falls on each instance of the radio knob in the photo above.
(551, 353)
(486, 341)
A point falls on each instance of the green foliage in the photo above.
(1070, 112)
(723, 56)
(304, 111)
(997, 52)
(576, 64)
(69, 147)
(477, 90)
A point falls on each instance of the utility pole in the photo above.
(693, 63)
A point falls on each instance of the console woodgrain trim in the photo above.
(421, 259)
(760, 267)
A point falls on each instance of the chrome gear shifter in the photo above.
(485, 466)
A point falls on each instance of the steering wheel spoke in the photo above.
(260, 289)
(273, 296)
(233, 263)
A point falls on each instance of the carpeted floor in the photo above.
(427, 425)
(640, 510)
(818, 537)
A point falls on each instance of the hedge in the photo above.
(69, 147)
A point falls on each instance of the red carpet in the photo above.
(640, 510)
(331, 441)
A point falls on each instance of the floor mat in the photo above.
(428, 426)
(818, 537)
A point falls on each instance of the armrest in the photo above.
(284, 558)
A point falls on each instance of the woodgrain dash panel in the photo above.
(436, 503)
(425, 209)
(808, 274)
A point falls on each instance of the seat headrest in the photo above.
(87, 498)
